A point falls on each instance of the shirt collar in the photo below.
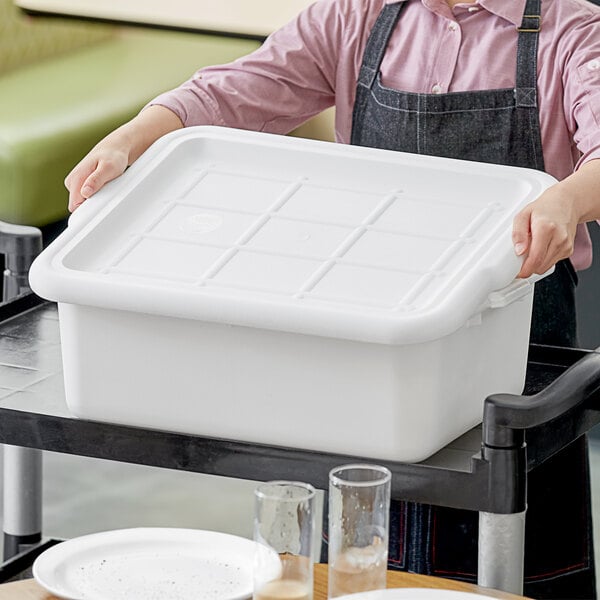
(511, 10)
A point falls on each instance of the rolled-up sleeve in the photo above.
(581, 80)
(289, 79)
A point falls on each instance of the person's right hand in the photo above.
(110, 157)
(100, 166)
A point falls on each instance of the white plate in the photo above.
(415, 594)
(150, 563)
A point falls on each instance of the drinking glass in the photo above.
(359, 506)
(284, 527)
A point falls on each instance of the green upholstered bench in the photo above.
(69, 94)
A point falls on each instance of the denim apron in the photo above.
(496, 126)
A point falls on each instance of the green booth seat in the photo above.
(54, 110)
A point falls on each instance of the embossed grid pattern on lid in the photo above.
(302, 240)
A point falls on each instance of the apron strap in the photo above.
(527, 51)
(378, 42)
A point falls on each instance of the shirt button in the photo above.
(437, 89)
(593, 65)
(452, 26)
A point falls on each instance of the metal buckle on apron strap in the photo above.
(530, 24)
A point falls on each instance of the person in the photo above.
(515, 82)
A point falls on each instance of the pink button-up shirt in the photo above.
(313, 63)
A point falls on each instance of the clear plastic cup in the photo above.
(359, 507)
(284, 525)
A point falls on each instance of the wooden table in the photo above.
(238, 17)
(30, 590)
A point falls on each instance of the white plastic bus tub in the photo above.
(293, 292)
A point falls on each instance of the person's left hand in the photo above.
(544, 231)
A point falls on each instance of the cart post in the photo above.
(501, 551)
(22, 498)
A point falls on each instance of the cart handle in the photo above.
(20, 244)
(506, 415)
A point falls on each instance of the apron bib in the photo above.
(495, 126)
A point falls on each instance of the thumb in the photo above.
(104, 172)
(92, 184)
(521, 234)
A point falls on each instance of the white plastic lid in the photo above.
(295, 235)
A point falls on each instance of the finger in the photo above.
(521, 234)
(557, 250)
(74, 182)
(539, 250)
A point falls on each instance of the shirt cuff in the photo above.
(592, 154)
(192, 107)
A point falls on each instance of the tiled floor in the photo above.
(84, 495)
